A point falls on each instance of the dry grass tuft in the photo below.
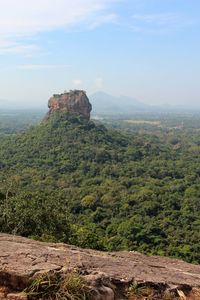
(54, 286)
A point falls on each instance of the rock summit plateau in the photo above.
(74, 101)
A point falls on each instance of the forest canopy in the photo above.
(76, 181)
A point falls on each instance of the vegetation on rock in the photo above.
(57, 286)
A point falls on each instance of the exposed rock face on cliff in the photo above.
(108, 275)
(73, 101)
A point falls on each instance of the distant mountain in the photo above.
(103, 103)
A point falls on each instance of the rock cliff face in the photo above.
(73, 101)
(118, 275)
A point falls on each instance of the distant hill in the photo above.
(103, 103)
(106, 104)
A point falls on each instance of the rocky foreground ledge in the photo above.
(117, 275)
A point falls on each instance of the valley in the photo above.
(108, 185)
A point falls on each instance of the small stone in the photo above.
(2, 296)
(106, 293)
(17, 296)
(181, 295)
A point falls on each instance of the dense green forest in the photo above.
(129, 185)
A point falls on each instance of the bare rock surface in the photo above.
(22, 259)
(73, 101)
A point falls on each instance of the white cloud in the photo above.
(35, 67)
(99, 82)
(160, 19)
(21, 19)
(103, 19)
(24, 17)
(77, 82)
(159, 23)
(9, 46)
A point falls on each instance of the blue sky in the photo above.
(147, 49)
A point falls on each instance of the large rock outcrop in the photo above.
(108, 274)
(73, 101)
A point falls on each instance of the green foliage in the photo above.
(71, 180)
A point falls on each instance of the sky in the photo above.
(145, 49)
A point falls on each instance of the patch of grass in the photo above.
(54, 286)
(136, 292)
(168, 296)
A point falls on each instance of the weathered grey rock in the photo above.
(21, 259)
(72, 101)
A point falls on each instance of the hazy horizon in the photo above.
(14, 105)
(147, 50)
